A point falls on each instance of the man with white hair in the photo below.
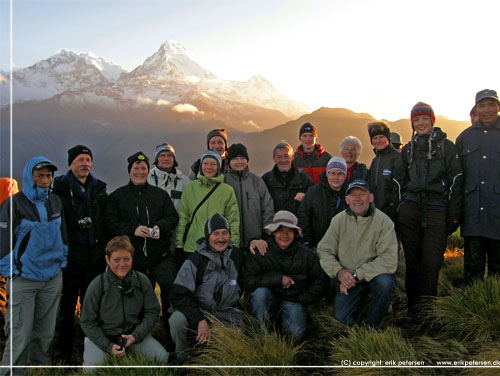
(350, 149)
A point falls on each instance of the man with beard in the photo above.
(84, 200)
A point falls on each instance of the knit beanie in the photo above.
(215, 156)
(308, 127)
(336, 163)
(137, 157)
(75, 151)
(217, 132)
(164, 147)
(379, 128)
(216, 222)
(422, 108)
(237, 150)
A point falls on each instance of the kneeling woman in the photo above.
(288, 276)
(119, 310)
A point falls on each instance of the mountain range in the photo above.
(169, 78)
(77, 98)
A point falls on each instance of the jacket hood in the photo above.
(203, 248)
(210, 181)
(385, 150)
(30, 191)
(318, 149)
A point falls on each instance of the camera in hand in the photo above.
(85, 222)
(154, 233)
(121, 342)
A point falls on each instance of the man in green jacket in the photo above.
(360, 249)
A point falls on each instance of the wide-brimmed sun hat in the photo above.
(283, 218)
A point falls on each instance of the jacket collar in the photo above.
(479, 125)
(318, 150)
(369, 213)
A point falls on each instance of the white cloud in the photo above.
(162, 102)
(186, 107)
(144, 100)
(192, 79)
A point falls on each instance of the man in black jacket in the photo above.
(285, 182)
(288, 276)
(147, 216)
(479, 149)
(387, 171)
(84, 200)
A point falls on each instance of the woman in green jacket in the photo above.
(222, 200)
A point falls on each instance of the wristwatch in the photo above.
(355, 275)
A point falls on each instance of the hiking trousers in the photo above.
(34, 306)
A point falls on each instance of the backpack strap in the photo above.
(186, 230)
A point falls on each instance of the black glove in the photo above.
(179, 256)
(451, 226)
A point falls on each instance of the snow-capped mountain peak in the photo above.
(172, 60)
(108, 69)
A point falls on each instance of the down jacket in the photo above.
(358, 172)
(255, 204)
(386, 178)
(434, 182)
(38, 231)
(222, 201)
(133, 205)
(320, 204)
(298, 262)
(313, 163)
(479, 150)
(209, 282)
(284, 186)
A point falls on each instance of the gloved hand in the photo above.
(451, 225)
(179, 257)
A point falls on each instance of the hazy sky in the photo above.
(379, 57)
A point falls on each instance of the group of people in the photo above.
(311, 224)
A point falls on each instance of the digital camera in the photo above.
(85, 222)
(154, 233)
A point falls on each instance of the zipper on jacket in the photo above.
(242, 241)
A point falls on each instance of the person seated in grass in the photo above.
(119, 310)
(207, 284)
(361, 250)
(283, 275)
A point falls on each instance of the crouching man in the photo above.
(207, 283)
(119, 310)
(360, 249)
(288, 276)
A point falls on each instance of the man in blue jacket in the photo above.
(33, 265)
(479, 151)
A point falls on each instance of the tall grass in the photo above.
(360, 344)
(125, 366)
(432, 350)
(488, 353)
(254, 348)
(451, 276)
(471, 314)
